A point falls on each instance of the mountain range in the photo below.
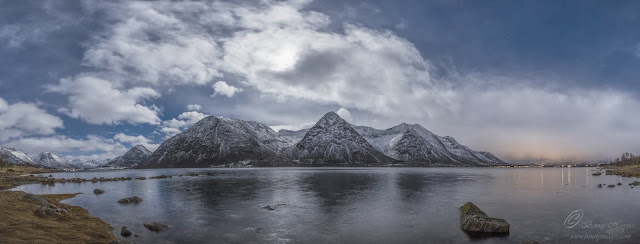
(45, 160)
(332, 141)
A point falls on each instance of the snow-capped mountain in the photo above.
(332, 141)
(50, 160)
(414, 143)
(89, 164)
(218, 141)
(15, 157)
(136, 155)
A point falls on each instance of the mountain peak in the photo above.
(332, 140)
(141, 148)
(136, 155)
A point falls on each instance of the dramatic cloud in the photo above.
(136, 140)
(292, 63)
(278, 49)
(24, 119)
(224, 89)
(150, 44)
(98, 102)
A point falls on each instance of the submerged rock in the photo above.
(157, 227)
(274, 207)
(611, 186)
(125, 231)
(134, 199)
(98, 191)
(476, 222)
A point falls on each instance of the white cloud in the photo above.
(24, 119)
(345, 114)
(224, 89)
(194, 107)
(97, 101)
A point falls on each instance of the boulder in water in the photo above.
(476, 222)
(125, 231)
(134, 199)
(157, 227)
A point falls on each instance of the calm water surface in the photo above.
(358, 205)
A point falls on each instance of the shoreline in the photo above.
(23, 222)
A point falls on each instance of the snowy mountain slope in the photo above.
(218, 141)
(15, 157)
(136, 155)
(292, 137)
(50, 160)
(332, 141)
(414, 143)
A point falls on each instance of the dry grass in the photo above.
(624, 171)
(20, 224)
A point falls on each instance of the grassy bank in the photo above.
(20, 222)
(624, 170)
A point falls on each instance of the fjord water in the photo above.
(358, 205)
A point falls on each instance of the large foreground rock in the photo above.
(476, 222)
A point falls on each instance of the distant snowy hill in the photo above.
(136, 155)
(89, 164)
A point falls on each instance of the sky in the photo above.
(526, 80)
